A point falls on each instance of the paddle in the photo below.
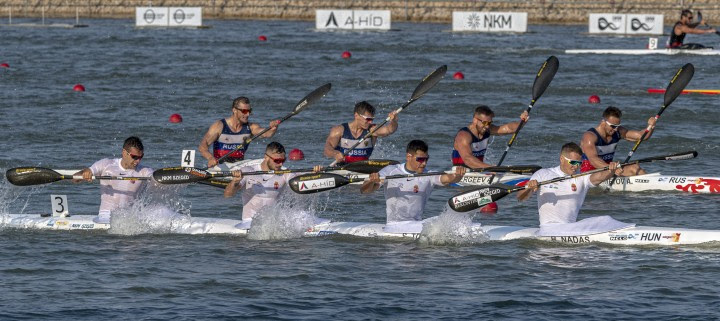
(674, 89)
(481, 196)
(320, 182)
(700, 18)
(185, 175)
(26, 176)
(425, 85)
(542, 80)
(312, 97)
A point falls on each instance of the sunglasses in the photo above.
(245, 111)
(135, 157)
(276, 160)
(613, 126)
(367, 119)
(573, 162)
(485, 122)
(421, 159)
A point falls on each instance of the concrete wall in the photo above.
(539, 11)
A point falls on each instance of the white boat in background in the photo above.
(702, 52)
(663, 236)
(659, 182)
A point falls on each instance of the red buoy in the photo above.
(262, 38)
(78, 87)
(594, 99)
(296, 155)
(346, 54)
(175, 118)
(459, 76)
(489, 208)
(4, 65)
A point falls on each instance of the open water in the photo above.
(136, 79)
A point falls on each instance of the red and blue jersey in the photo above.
(361, 152)
(605, 150)
(478, 146)
(229, 141)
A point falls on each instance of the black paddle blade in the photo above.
(369, 166)
(315, 183)
(180, 175)
(312, 97)
(479, 197)
(678, 83)
(678, 156)
(544, 76)
(428, 82)
(517, 169)
(26, 176)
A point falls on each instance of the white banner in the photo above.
(186, 16)
(151, 16)
(609, 23)
(644, 24)
(489, 21)
(352, 19)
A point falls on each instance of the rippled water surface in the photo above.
(136, 79)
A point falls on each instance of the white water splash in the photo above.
(289, 218)
(451, 228)
(156, 211)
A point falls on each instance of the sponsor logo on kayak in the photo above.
(677, 180)
(78, 226)
(650, 237)
(618, 237)
(477, 180)
(673, 237)
(316, 184)
(642, 181)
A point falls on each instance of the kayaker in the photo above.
(345, 135)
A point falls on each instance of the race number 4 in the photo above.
(59, 205)
(652, 43)
(188, 158)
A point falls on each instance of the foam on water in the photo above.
(451, 228)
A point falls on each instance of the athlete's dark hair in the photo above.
(612, 112)
(685, 13)
(416, 145)
(240, 100)
(363, 107)
(133, 141)
(274, 147)
(571, 148)
(484, 110)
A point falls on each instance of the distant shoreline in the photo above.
(571, 12)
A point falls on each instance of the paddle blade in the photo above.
(544, 76)
(678, 156)
(180, 175)
(479, 197)
(315, 183)
(517, 169)
(368, 166)
(678, 83)
(312, 97)
(428, 82)
(26, 176)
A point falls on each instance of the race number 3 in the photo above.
(59, 205)
(188, 158)
(652, 43)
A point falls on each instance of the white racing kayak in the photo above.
(659, 182)
(636, 235)
(702, 52)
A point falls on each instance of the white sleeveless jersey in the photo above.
(405, 198)
(259, 191)
(117, 193)
(560, 202)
